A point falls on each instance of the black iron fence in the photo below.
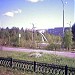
(37, 67)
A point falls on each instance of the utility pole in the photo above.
(33, 33)
(33, 37)
(63, 23)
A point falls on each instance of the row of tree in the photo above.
(18, 37)
(29, 39)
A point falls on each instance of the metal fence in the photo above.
(37, 67)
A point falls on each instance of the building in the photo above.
(57, 31)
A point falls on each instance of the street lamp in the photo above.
(63, 16)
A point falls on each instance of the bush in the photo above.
(53, 46)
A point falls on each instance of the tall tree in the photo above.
(73, 31)
(28, 35)
(68, 39)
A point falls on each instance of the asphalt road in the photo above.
(66, 54)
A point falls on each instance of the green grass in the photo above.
(46, 58)
(9, 71)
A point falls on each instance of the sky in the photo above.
(43, 14)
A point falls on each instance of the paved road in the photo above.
(67, 54)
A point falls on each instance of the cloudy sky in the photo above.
(42, 13)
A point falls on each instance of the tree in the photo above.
(13, 36)
(28, 35)
(73, 31)
(68, 39)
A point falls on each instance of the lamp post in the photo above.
(63, 17)
(63, 24)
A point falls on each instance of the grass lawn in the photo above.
(46, 58)
(9, 71)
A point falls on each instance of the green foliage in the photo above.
(46, 58)
(54, 42)
(50, 47)
(10, 37)
(9, 71)
(68, 39)
(73, 31)
(53, 47)
(37, 37)
(28, 35)
(52, 39)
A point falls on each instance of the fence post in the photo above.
(34, 66)
(11, 62)
(66, 70)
